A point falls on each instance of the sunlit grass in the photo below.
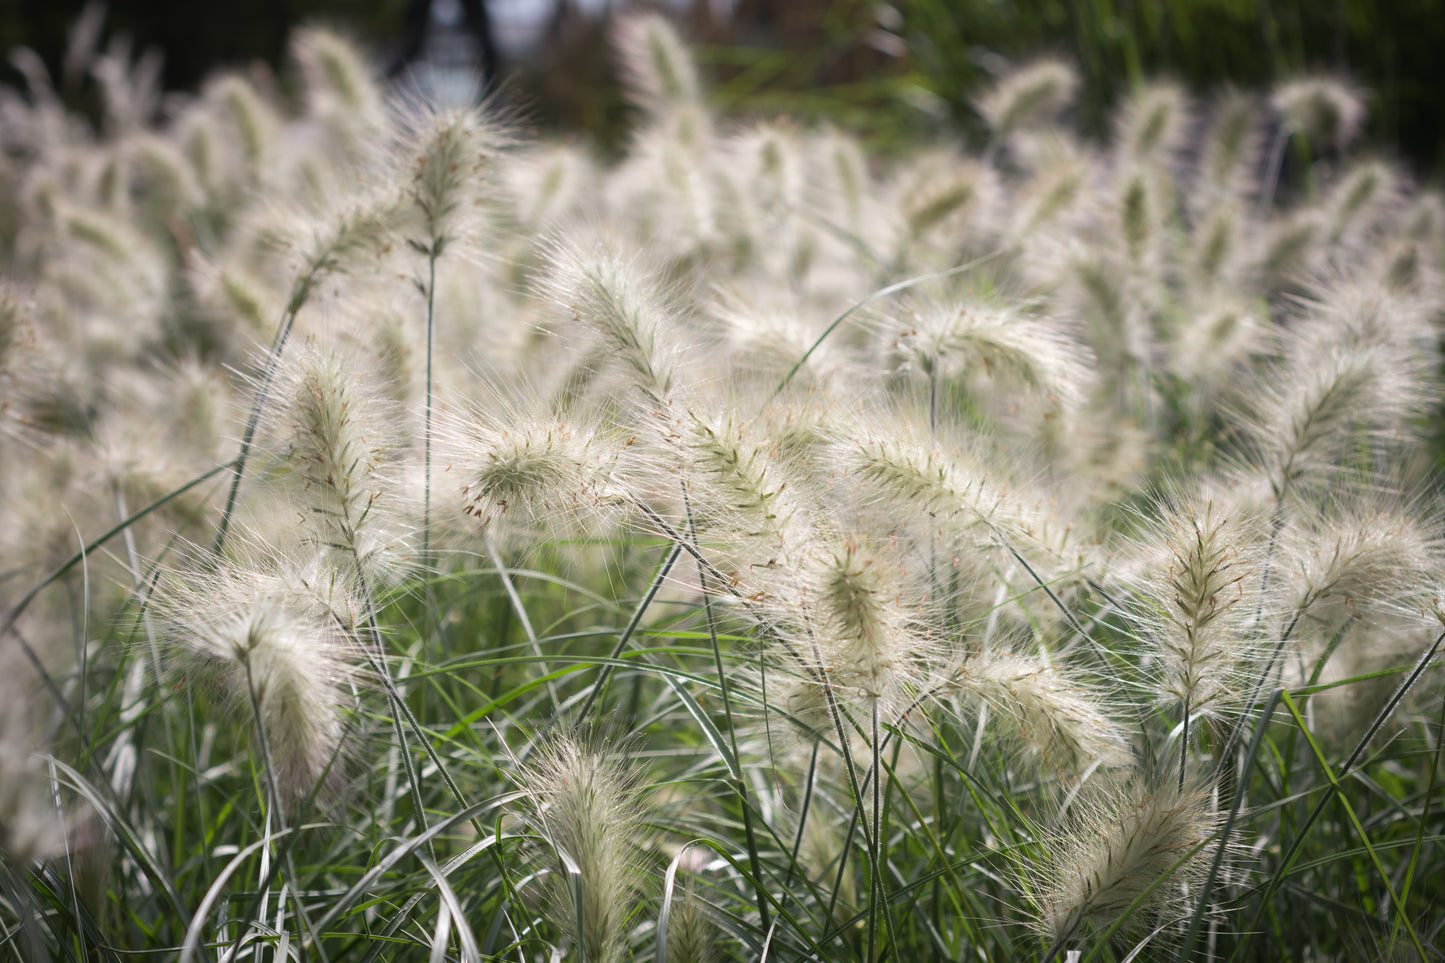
(422, 543)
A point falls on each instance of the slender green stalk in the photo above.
(875, 833)
(739, 785)
(299, 296)
(521, 611)
(625, 637)
(1335, 780)
(1400, 918)
(431, 287)
(881, 293)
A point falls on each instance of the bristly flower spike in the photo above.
(1128, 846)
(1200, 597)
(281, 658)
(1327, 111)
(533, 473)
(583, 801)
(1029, 96)
(1058, 717)
(336, 433)
(657, 67)
(443, 156)
(606, 291)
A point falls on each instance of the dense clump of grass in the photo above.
(420, 543)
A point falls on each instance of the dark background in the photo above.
(893, 70)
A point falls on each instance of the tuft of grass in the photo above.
(419, 544)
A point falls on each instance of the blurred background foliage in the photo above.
(890, 70)
(1392, 48)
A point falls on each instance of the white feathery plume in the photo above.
(1152, 124)
(1118, 847)
(1030, 95)
(744, 491)
(947, 200)
(1329, 112)
(691, 935)
(445, 157)
(336, 431)
(1197, 601)
(1339, 563)
(584, 803)
(1215, 345)
(546, 182)
(339, 87)
(252, 123)
(539, 474)
(163, 176)
(1325, 399)
(1360, 204)
(1006, 345)
(657, 67)
(605, 291)
(962, 498)
(280, 657)
(1231, 147)
(1064, 720)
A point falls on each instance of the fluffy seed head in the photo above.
(846, 633)
(743, 488)
(1364, 312)
(443, 156)
(252, 121)
(545, 182)
(1216, 239)
(860, 620)
(530, 471)
(335, 429)
(1009, 347)
(942, 196)
(1136, 216)
(769, 342)
(333, 239)
(1216, 344)
(1117, 848)
(1291, 246)
(583, 801)
(674, 193)
(339, 86)
(604, 291)
(1199, 598)
(1153, 123)
(1032, 701)
(1115, 307)
(657, 66)
(1029, 96)
(1327, 111)
(1343, 714)
(278, 656)
(845, 168)
(953, 492)
(1231, 145)
(241, 306)
(1048, 197)
(1355, 557)
(1324, 398)
(690, 933)
(1360, 201)
(163, 176)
